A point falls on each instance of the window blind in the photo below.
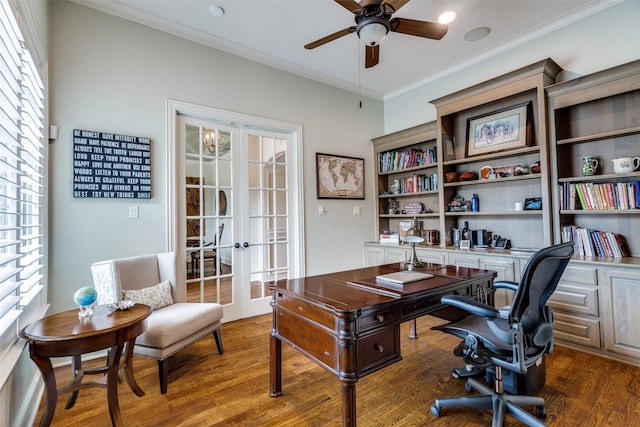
(22, 171)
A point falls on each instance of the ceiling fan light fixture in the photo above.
(372, 31)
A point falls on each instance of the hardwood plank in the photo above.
(208, 389)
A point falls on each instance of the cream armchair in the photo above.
(174, 323)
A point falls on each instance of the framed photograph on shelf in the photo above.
(339, 177)
(506, 129)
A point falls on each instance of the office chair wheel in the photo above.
(541, 412)
(435, 410)
(468, 388)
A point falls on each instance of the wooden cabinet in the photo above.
(596, 116)
(497, 196)
(592, 116)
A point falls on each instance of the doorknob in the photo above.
(237, 245)
(245, 244)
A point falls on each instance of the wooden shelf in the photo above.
(493, 181)
(409, 216)
(413, 169)
(499, 155)
(601, 212)
(600, 136)
(496, 213)
(607, 177)
(416, 193)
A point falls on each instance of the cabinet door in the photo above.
(396, 254)
(620, 301)
(464, 259)
(432, 256)
(373, 255)
(506, 269)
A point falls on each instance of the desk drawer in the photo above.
(378, 350)
(375, 318)
(309, 311)
(310, 338)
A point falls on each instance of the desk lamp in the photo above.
(414, 235)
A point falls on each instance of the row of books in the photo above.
(589, 242)
(414, 184)
(389, 161)
(600, 196)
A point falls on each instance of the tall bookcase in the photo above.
(407, 170)
(596, 116)
(498, 195)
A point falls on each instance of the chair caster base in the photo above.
(435, 410)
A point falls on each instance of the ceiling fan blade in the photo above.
(329, 38)
(350, 5)
(397, 4)
(371, 56)
(429, 30)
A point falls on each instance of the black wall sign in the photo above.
(106, 165)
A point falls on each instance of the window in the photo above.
(22, 182)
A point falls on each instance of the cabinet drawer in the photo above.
(376, 318)
(581, 275)
(577, 330)
(575, 299)
(308, 311)
(379, 349)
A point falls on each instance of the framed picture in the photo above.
(533, 204)
(339, 177)
(505, 129)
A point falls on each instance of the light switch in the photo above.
(321, 210)
(133, 212)
(356, 210)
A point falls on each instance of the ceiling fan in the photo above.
(373, 23)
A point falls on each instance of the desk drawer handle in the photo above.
(380, 318)
(379, 348)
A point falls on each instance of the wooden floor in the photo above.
(206, 389)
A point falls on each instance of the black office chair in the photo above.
(514, 341)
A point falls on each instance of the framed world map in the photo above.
(339, 177)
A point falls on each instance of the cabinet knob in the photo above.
(379, 348)
(380, 318)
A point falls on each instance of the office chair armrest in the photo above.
(504, 284)
(472, 306)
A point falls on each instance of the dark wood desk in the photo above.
(64, 334)
(350, 325)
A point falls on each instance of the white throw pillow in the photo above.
(156, 297)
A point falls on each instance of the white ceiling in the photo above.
(274, 32)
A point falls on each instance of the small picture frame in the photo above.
(533, 204)
(465, 244)
(505, 129)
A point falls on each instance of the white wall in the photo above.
(112, 75)
(601, 41)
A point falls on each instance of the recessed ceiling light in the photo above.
(477, 34)
(447, 17)
(216, 10)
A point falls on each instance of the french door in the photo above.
(237, 209)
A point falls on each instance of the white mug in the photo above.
(518, 206)
(625, 164)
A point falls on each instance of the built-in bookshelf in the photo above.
(408, 181)
(596, 116)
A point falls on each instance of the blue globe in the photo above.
(85, 296)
